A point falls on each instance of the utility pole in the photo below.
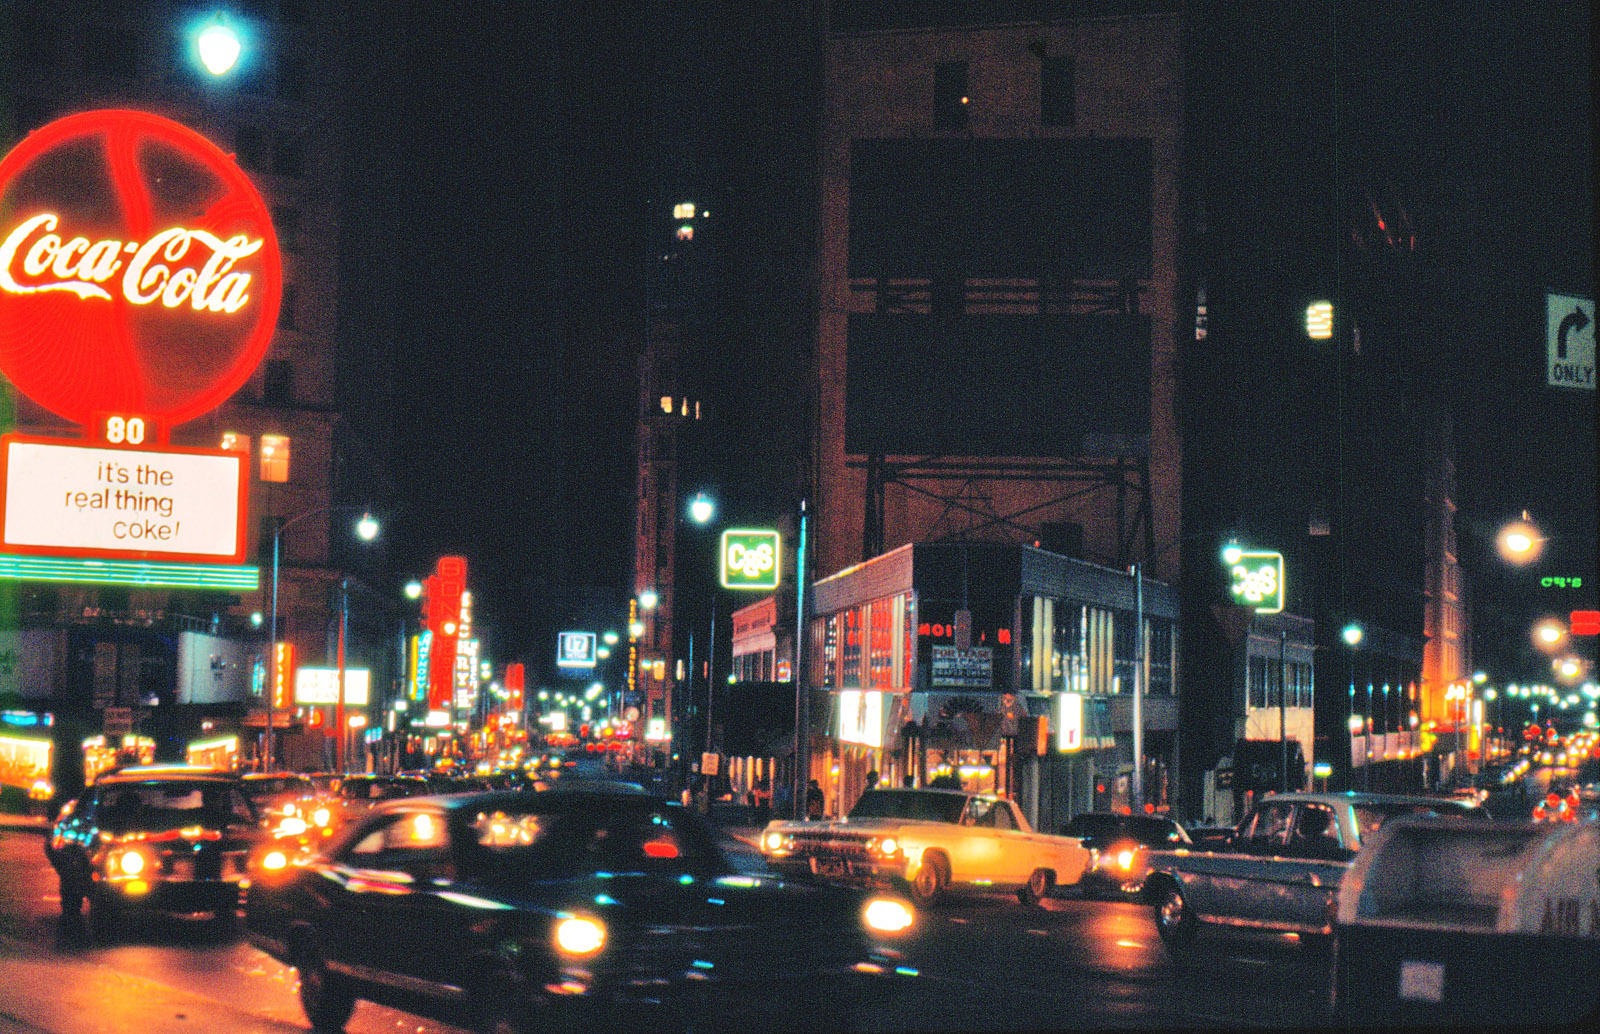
(1137, 795)
(1283, 705)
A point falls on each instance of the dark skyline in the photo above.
(536, 141)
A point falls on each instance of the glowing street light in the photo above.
(1549, 633)
(610, 638)
(413, 590)
(701, 508)
(648, 599)
(219, 47)
(1352, 634)
(1519, 541)
(367, 527)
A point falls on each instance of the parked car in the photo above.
(1119, 848)
(931, 842)
(1280, 869)
(277, 794)
(154, 839)
(596, 907)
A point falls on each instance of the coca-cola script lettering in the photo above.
(139, 271)
(162, 268)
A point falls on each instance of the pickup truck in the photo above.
(1281, 868)
(930, 842)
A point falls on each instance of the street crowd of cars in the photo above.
(497, 900)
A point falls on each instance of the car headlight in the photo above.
(129, 861)
(292, 826)
(580, 935)
(321, 816)
(274, 860)
(1125, 858)
(777, 842)
(886, 915)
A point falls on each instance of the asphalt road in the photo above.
(978, 965)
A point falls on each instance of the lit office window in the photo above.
(274, 457)
(683, 211)
(233, 441)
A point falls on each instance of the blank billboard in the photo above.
(1000, 208)
(998, 385)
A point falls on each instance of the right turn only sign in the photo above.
(1569, 341)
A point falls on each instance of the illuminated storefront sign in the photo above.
(1257, 578)
(576, 650)
(861, 717)
(750, 559)
(446, 614)
(124, 572)
(1069, 721)
(140, 277)
(313, 686)
(282, 674)
(655, 730)
(421, 647)
(77, 500)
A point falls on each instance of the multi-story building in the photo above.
(313, 416)
(998, 280)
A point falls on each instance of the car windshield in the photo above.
(157, 807)
(381, 789)
(1148, 831)
(909, 804)
(272, 786)
(1371, 815)
(552, 836)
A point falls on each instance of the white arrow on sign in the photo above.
(1569, 341)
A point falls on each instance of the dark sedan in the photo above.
(167, 839)
(602, 903)
(1119, 847)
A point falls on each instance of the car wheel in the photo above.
(933, 876)
(103, 918)
(1174, 921)
(325, 997)
(1037, 888)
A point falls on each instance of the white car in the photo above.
(932, 842)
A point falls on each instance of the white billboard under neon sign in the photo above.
(861, 717)
(72, 499)
(317, 686)
(1069, 721)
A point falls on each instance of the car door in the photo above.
(976, 854)
(1261, 893)
(1320, 861)
(425, 925)
(353, 893)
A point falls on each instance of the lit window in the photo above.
(666, 403)
(683, 211)
(275, 457)
(686, 232)
(233, 441)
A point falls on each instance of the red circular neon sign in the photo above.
(139, 271)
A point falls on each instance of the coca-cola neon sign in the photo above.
(139, 271)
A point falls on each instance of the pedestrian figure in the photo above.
(814, 801)
(872, 779)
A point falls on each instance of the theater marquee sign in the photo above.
(140, 281)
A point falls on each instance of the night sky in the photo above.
(535, 144)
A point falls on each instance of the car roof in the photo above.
(488, 798)
(1357, 797)
(149, 773)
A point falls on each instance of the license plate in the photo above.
(828, 866)
(1422, 981)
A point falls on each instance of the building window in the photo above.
(233, 441)
(275, 457)
(277, 383)
(286, 308)
(1057, 92)
(250, 147)
(684, 210)
(950, 99)
(288, 155)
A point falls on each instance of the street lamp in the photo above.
(218, 46)
(701, 508)
(1519, 542)
(367, 529)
